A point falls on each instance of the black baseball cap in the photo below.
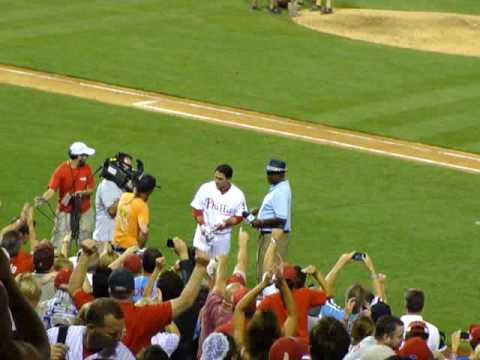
(276, 166)
(121, 280)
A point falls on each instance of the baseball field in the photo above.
(366, 182)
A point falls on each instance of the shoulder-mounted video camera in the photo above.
(122, 174)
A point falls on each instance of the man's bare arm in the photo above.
(159, 262)
(142, 235)
(331, 277)
(31, 337)
(239, 317)
(317, 275)
(79, 274)
(242, 256)
(192, 288)
(112, 210)
(221, 275)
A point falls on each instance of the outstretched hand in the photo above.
(89, 247)
(310, 270)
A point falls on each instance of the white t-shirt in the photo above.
(433, 340)
(107, 193)
(218, 207)
(74, 343)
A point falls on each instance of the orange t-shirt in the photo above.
(66, 179)
(143, 322)
(304, 298)
(21, 263)
(131, 212)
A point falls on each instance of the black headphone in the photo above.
(71, 156)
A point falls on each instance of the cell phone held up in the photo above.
(358, 256)
(170, 243)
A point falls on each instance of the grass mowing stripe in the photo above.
(417, 222)
(204, 51)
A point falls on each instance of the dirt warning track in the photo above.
(238, 118)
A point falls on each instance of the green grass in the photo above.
(416, 221)
(224, 53)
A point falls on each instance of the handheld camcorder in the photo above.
(123, 175)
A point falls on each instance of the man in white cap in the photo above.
(74, 182)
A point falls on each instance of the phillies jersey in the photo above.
(218, 207)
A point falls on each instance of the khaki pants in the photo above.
(62, 226)
(262, 246)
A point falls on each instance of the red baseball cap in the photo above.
(289, 273)
(62, 278)
(133, 262)
(296, 348)
(474, 331)
(417, 347)
(417, 328)
(236, 278)
(238, 295)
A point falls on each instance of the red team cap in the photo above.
(296, 348)
(236, 278)
(238, 295)
(133, 262)
(416, 347)
(475, 333)
(289, 273)
(62, 278)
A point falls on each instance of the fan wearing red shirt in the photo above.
(141, 323)
(304, 299)
(71, 179)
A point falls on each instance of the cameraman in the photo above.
(72, 180)
(106, 202)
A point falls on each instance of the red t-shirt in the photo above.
(21, 263)
(81, 298)
(143, 322)
(304, 298)
(66, 179)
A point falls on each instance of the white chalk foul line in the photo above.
(150, 107)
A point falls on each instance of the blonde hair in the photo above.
(29, 288)
(62, 262)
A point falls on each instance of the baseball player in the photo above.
(217, 206)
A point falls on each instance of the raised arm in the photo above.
(290, 325)
(271, 253)
(185, 264)
(242, 256)
(317, 275)
(221, 274)
(331, 277)
(376, 282)
(239, 323)
(89, 249)
(159, 262)
(118, 262)
(192, 288)
(32, 232)
(31, 341)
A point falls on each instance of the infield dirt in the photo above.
(240, 118)
(446, 33)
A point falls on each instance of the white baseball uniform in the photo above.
(216, 208)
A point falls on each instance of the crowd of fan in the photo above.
(126, 306)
